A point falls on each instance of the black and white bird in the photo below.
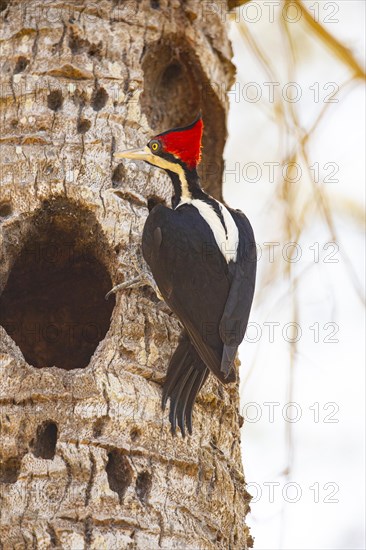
(202, 255)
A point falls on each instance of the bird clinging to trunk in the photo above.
(202, 256)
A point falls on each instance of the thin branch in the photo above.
(344, 54)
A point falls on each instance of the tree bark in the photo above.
(87, 459)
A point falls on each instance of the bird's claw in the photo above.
(226, 369)
(144, 278)
(122, 286)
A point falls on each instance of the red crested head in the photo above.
(184, 143)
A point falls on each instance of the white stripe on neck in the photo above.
(226, 241)
(178, 169)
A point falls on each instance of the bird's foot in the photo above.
(144, 278)
(226, 369)
(133, 283)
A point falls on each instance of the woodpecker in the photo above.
(202, 255)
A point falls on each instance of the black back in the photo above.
(211, 298)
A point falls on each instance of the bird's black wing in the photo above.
(192, 275)
(235, 318)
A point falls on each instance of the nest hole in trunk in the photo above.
(176, 88)
(53, 304)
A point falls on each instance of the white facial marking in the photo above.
(177, 168)
(227, 242)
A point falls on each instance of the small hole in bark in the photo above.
(44, 445)
(96, 50)
(135, 434)
(79, 98)
(143, 486)
(5, 209)
(21, 64)
(53, 304)
(48, 169)
(55, 100)
(119, 473)
(155, 4)
(10, 469)
(83, 125)
(77, 44)
(3, 4)
(99, 99)
(118, 175)
(99, 425)
(175, 89)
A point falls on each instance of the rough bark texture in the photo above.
(86, 455)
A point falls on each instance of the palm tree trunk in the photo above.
(87, 459)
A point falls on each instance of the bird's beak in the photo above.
(136, 154)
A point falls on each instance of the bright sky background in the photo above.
(328, 384)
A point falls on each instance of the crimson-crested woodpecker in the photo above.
(202, 255)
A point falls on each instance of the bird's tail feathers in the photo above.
(185, 377)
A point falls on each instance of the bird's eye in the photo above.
(154, 146)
